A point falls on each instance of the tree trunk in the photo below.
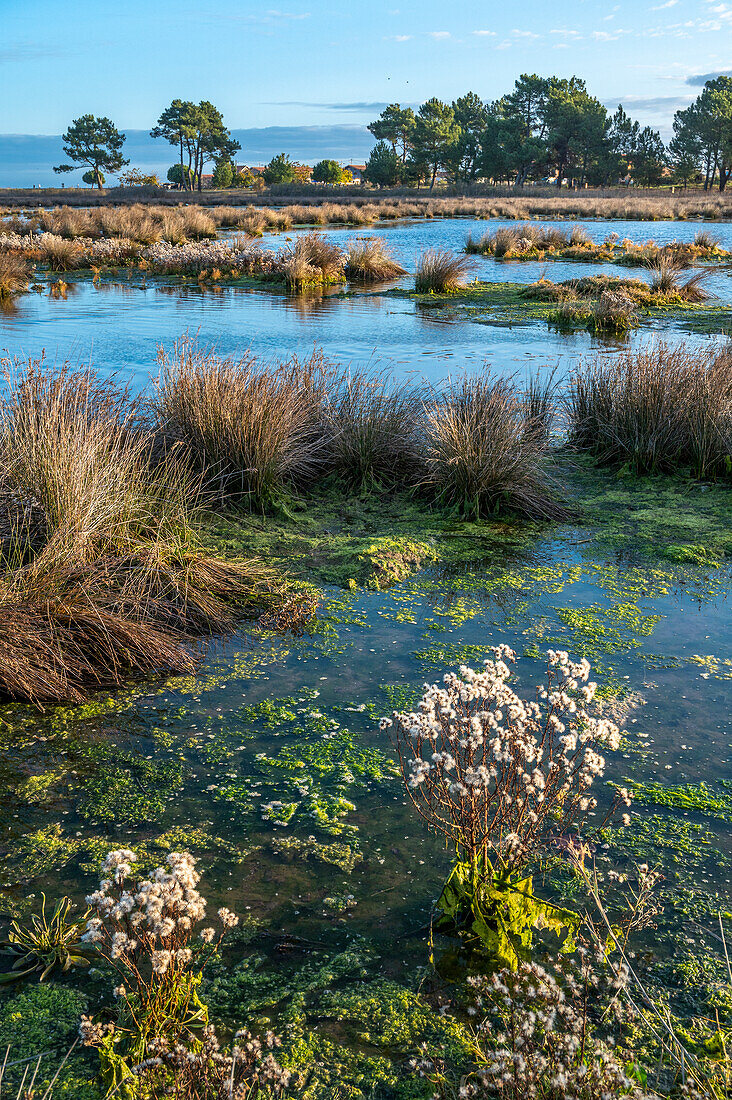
(182, 182)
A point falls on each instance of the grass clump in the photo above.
(101, 573)
(440, 271)
(485, 451)
(249, 429)
(14, 275)
(313, 260)
(656, 409)
(369, 260)
(374, 428)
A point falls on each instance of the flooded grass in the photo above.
(266, 760)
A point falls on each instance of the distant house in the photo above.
(358, 171)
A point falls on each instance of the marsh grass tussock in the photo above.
(369, 260)
(656, 409)
(15, 272)
(102, 574)
(313, 259)
(440, 271)
(374, 430)
(250, 429)
(484, 454)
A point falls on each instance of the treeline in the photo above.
(546, 128)
(549, 128)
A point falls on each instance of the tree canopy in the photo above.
(95, 143)
(545, 128)
(280, 170)
(703, 134)
(199, 132)
(328, 171)
(384, 167)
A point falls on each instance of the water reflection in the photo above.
(118, 324)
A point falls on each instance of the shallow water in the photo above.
(119, 325)
(198, 761)
(372, 646)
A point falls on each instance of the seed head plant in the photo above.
(145, 928)
(504, 780)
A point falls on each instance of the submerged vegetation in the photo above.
(549, 934)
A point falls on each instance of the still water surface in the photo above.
(119, 325)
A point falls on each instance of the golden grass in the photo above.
(374, 425)
(102, 574)
(313, 259)
(486, 450)
(440, 271)
(14, 275)
(250, 430)
(657, 409)
(369, 260)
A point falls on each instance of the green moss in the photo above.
(44, 1019)
(339, 855)
(652, 516)
(506, 304)
(682, 848)
(718, 667)
(37, 853)
(125, 788)
(387, 561)
(37, 788)
(684, 796)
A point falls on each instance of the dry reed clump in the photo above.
(486, 451)
(513, 242)
(612, 313)
(139, 222)
(251, 430)
(665, 271)
(664, 274)
(14, 275)
(102, 576)
(657, 409)
(58, 253)
(374, 429)
(370, 260)
(313, 259)
(440, 271)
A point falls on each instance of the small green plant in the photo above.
(145, 928)
(506, 781)
(47, 943)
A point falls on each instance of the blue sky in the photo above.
(322, 63)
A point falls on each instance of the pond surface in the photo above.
(269, 763)
(118, 325)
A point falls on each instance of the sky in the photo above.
(322, 69)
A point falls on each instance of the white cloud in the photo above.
(524, 34)
(484, 34)
(668, 4)
(273, 14)
(439, 34)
